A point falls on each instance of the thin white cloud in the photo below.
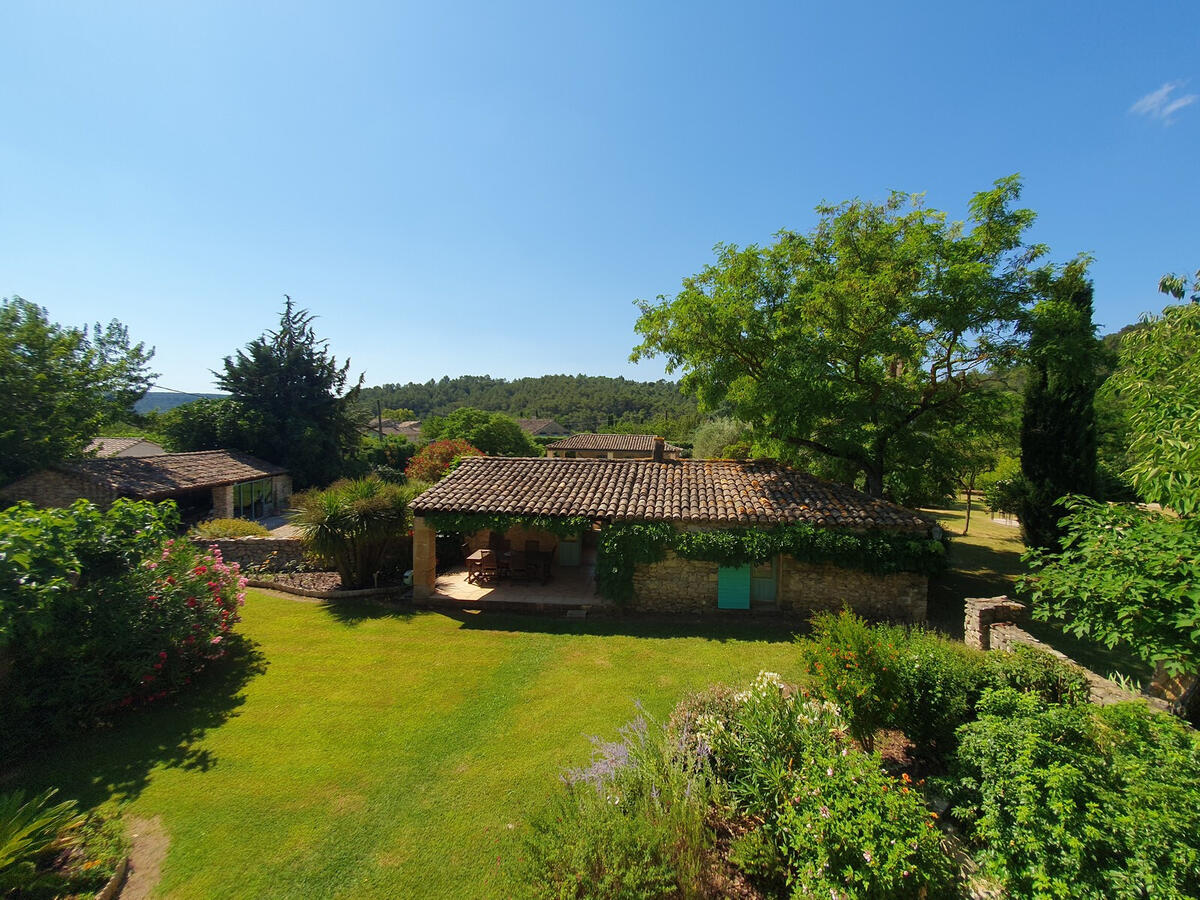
(1159, 105)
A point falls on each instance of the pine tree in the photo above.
(292, 395)
(1058, 425)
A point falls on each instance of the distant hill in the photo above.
(161, 401)
(577, 402)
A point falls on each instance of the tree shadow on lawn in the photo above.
(116, 760)
(770, 629)
(355, 612)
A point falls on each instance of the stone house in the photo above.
(613, 446)
(207, 484)
(695, 495)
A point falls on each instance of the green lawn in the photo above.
(366, 754)
(985, 563)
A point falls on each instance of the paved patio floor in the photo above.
(569, 586)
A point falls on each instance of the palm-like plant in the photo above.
(29, 829)
(353, 526)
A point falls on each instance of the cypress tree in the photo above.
(1058, 424)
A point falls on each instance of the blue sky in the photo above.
(473, 188)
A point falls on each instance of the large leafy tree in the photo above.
(61, 385)
(862, 340)
(291, 398)
(1058, 423)
(494, 433)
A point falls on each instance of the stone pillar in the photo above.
(424, 559)
(282, 486)
(983, 612)
(222, 497)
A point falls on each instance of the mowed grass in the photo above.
(357, 753)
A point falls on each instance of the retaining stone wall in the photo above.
(274, 554)
(992, 623)
(49, 488)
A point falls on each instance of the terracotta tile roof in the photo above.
(703, 491)
(643, 442)
(410, 429)
(541, 426)
(172, 473)
(108, 446)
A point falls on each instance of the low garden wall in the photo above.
(267, 553)
(994, 623)
(678, 585)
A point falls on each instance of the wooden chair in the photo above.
(489, 569)
(532, 547)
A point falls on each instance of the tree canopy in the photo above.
(61, 385)
(861, 341)
(494, 433)
(287, 403)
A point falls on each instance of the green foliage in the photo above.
(577, 402)
(228, 528)
(1080, 801)
(857, 667)
(357, 527)
(206, 424)
(471, 523)
(29, 830)
(886, 676)
(833, 823)
(632, 824)
(387, 457)
(434, 461)
(938, 682)
(1058, 427)
(289, 401)
(1126, 576)
(720, 438)
(862, 340)
(1158, 385)
(496, 434)
(61, 385)
(1177, 286)
(100, 610)
(1031, 670)
(622, 548)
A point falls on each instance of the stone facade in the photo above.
(51, 488)
(270, 554)
(424, 559)
(677, 585)
(981, 613)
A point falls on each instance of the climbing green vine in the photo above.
(625, 545)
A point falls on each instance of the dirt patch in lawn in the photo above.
(148, 848)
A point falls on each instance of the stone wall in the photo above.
(274, 554)
(992, 623)
(807, 588)
(682, 585)
(50, 488)
(675, 586)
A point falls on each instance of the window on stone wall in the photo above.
(253, 499)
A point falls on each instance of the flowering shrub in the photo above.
(833, 823)
(101, 610)
(436, 459)
(855, 666)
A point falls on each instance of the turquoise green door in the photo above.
(763, 581)
(733, 587)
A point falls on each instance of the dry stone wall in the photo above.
(994, 623)
(50, 488)
(269, 554)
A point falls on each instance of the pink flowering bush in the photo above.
(102, 610)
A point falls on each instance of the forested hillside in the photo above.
(578, 402)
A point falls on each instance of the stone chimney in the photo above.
(658, 449)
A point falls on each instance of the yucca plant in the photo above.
(353, 526)
(28, 830)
